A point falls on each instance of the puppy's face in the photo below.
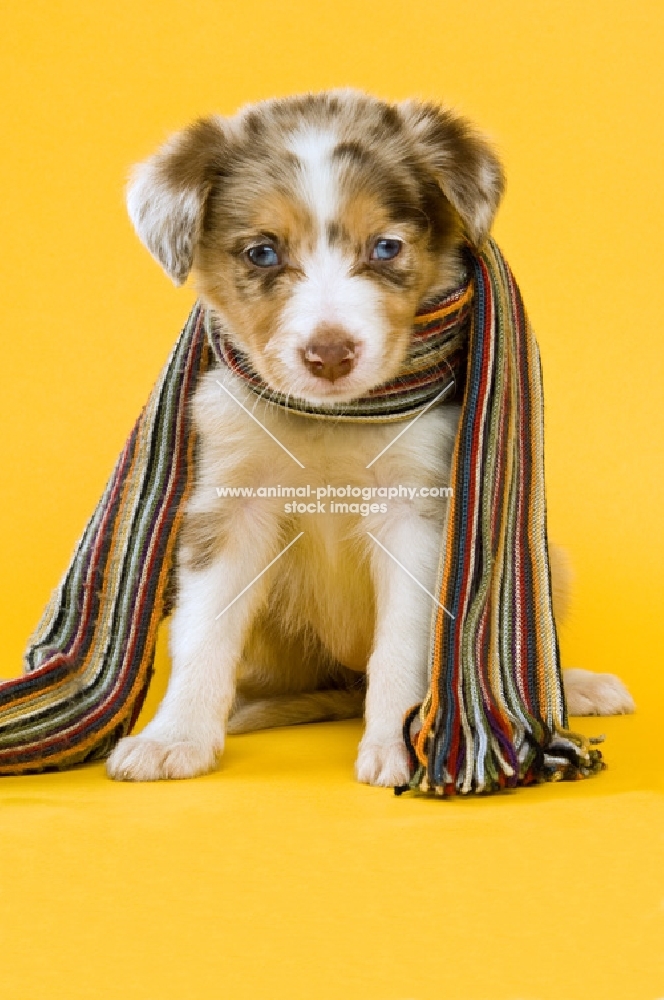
(315, 226)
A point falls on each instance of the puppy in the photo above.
(314, 228)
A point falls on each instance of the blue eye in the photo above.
(263, 255)
(386, 249)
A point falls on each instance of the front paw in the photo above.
(382, 763)
(588, 693)
(141, 758)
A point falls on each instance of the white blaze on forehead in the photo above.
(328, 293)
(319, 183)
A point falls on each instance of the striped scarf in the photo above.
(495, 712)
(432, 370)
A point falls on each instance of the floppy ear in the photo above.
(166, 194)
(463, 163)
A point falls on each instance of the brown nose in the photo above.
(330, 355)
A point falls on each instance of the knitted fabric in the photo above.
(495, 713)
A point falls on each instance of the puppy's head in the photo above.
(316, 225)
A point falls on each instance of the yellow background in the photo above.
(277, 876)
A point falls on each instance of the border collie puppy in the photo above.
(314, 227)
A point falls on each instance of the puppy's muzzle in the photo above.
(330, 354)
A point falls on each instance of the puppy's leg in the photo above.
(295, 709)
(398, 666)
(586, 693)
(289, 678)
(188, 730)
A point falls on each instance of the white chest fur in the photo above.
(283, 461)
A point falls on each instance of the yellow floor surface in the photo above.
(280, 877)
